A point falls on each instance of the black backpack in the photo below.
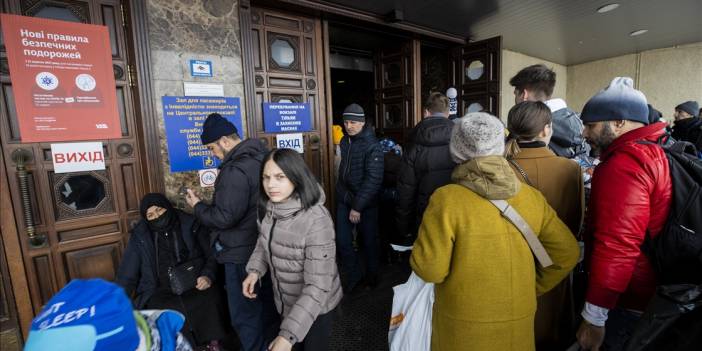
(676, 252)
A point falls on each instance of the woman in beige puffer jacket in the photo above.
(296, 246)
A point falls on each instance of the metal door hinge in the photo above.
(131, 76)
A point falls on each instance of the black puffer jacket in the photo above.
(138, 272)
(232, 215)
(427, 165)
(567, 140)
(689, 130)
(360, 171)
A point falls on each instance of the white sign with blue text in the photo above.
(287, 117)
(200, 68)
(290, 141)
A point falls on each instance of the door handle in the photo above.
(21, 157)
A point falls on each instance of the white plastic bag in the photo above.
(410, 321)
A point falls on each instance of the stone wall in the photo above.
(183, 30)
(667, 76)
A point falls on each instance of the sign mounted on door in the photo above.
(62, 79)
(77, 157)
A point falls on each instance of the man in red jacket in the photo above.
(631, 196)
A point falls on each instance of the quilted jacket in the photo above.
(631, 195)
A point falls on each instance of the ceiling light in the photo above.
(341, 81)
(607, 8)
(638, 32)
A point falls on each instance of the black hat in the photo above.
(216, 127)
(354, 112)
(154, 199)
(690, 107)
(653, 115)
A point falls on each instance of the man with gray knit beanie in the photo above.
(357, 189)
(632, 179)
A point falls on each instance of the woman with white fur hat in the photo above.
(485, 273)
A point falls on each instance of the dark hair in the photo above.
(437, 103)
(525, 121)
(291, 163)
(536, 78)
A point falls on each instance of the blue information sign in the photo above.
(200, 68)
(287, 117)
(183, 117)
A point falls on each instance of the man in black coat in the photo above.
(426, 166)
(357, 189)
(688, 124)
(231, 218)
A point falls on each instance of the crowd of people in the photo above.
(287, 264)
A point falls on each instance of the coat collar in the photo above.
(535, 152)
(490, 177)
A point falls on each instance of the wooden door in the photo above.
(397, 89)
(79, 220)
(285, 51)
(476, 75)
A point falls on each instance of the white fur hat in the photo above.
(477, 134)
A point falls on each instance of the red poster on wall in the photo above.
(62, 79)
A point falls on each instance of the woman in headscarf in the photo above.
(484, 270)
(165, 238)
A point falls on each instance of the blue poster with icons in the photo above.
(286, 117)
(183, 118)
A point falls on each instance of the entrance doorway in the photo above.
(376, 70)
(69, 225)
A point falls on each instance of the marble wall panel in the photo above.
(180, 31)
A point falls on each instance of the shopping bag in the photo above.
(410, 321)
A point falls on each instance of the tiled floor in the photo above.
(362, 322)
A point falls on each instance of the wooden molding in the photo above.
(13, 254)
(247, 52)
(144, 96)
(328, 7)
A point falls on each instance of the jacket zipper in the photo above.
(270, 253)
(348, 161)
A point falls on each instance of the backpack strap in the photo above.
(532, 240)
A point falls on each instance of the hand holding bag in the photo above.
(183, 276)
(410, 322)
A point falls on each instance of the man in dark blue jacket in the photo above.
(232, 219)
(360, 179)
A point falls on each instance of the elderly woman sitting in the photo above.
(164, 239)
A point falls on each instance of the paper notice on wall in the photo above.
(77, 157)
(290, 141)
(200, 89)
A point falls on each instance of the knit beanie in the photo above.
(354, 112)
(477, 134)
(690, 107)
(618, 101)
(85, 315)
(216, 127)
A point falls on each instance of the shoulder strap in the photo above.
(521, 171)
(516, 219)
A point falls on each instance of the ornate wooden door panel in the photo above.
(476, 68)
(288, 67)
(80, 220)
(396, 87)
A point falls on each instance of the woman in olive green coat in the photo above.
(485, 274)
